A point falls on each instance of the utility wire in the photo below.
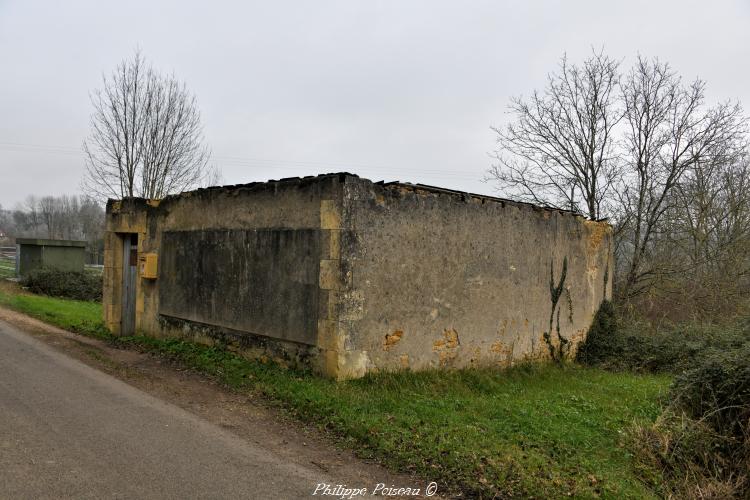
(249, 162)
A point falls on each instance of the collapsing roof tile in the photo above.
(404, 185)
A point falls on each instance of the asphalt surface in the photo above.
(70, 431)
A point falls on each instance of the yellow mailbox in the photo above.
(147, 265)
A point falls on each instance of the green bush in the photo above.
(690, 458)
(603, 339)
(68, 284)
(717, 392)
(616, 344)
(701, 442)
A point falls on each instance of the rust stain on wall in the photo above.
(503, 351)
(597, 231)
(392, 339)
(499, 347)
(578, 336)
(404, 359)
(446, 356)
(448, 341)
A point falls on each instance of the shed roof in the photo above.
(39, 242)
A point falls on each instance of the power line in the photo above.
(33, 148)
(263, 163)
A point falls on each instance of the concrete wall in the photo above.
(263, 281)
(64, 258)
(347, 276)
(439, 279)
(29, 258)
(244, 266)
(65, 255)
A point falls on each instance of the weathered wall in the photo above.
(437, 279)
(263, 281)
(347, 276)
(245, 266)
(65, 258)
(64, 255)
(30, 258)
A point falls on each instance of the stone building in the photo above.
(347, 276)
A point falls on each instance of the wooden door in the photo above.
(129, 273)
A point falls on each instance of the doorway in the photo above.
(129, 273)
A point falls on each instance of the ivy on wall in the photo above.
(558, 351)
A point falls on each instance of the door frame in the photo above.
(129, 273)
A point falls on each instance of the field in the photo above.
(7, 267)
(541, 431)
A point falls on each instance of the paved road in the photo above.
(70, 431)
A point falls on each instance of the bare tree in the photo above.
(146, 136)
(709, 224)
(559, 149)
(644, 150)
(27, 219)
(48, 208)
(669, 132)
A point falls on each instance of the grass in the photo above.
(75, 315)
(531, 431)
(7, 268)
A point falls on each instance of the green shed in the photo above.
(33, 253)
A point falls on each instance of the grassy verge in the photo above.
(541, 431)
(75, 315)
(7, 268)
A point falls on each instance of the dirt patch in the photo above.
(247, 416)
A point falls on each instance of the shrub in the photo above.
(717, 392)
(615, 344)
(68, 284)
(691, 460)
(603, 339)
(701, 442)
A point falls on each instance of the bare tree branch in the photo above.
(559, 150)
(146, 136)
(669, 132)
(645, 151)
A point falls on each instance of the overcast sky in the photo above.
(396, 90)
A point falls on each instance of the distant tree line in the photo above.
(57, 217)
(642, 148)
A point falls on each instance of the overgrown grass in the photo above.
(542, 431)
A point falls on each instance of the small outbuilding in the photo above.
(348, 276)
(33, 253)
